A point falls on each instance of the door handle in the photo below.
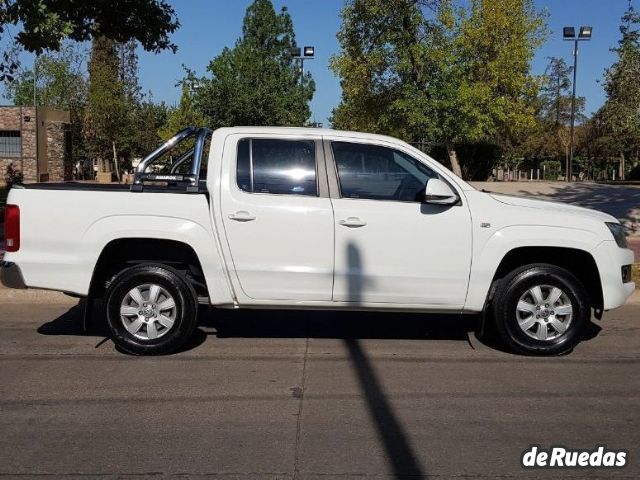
(242, 216)
(352, 222)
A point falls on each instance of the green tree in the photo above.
(434, 71)
(619, 115)
(382, 68)
(128, 140)
(44, 24)
(106, 112)
(60, 80)
(257, 82)
(61, 84)
(497, 42)
(550, 136)
(185, 114)
(150, 117)
(555, 92)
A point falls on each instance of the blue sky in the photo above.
(209, 25)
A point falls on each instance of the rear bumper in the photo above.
(610, 259)
(11, 275)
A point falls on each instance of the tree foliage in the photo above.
(619, 118)
(61, 83)
(183, 115)
(549, 137)
(44, 24)
(106, 110)
(437, 71)
(257, 82)
(149, 118)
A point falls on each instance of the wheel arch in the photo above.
(122, 253)
(577, 261)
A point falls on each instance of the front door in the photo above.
(277, 219)
(390, 246)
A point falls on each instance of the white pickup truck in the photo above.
(260, 217)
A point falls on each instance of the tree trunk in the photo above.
(453, 158)
(115, 161)
(622, 166)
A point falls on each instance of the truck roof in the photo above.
(307, 131)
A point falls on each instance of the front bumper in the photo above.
(11, 276)
(610, 260)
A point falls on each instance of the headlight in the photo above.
(618, 234)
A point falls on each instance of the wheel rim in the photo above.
(544, 312)
(148, 311)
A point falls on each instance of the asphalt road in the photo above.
(271, 394)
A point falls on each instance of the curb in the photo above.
(10, 296)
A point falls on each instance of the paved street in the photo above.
(268, 394)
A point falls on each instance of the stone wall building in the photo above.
(37, 141)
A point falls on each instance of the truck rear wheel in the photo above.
(151, 310)
(541, 309)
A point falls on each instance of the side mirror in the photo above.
(438, 192)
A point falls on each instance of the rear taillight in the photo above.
(12, 228)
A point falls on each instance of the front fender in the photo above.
(488, 255)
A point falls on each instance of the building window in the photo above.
(10, 144)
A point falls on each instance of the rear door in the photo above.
(277, 216)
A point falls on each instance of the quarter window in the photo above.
(277, 166)
(379, 173)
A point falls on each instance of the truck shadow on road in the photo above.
(291, 324)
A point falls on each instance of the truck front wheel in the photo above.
(541, 309)
(151, 310)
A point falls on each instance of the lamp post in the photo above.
(569, 33)
(302, 54)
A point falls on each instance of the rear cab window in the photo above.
(277, 166)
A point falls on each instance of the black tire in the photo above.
(164, 339)
(505, 307)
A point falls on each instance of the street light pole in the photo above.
(35, 80)
(573, 112)
(569, 33)
(306, 53)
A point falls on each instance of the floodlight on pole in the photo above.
(585, 33)
(302, 54)
(569, 33)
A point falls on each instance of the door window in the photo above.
(379, 173)
(277, 166)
